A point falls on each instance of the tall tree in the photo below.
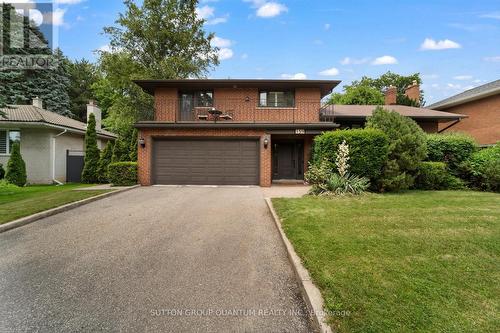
(19, 86)
(92, 156)
(367, 90)
(158, 39)
(83, 75)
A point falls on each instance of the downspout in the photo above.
(449, 126)
(54, 157)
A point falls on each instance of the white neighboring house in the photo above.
(46, 139)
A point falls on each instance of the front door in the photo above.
(288, 160)
(186, 102)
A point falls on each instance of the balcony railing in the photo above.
(244, 110)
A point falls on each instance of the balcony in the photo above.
(244, 110)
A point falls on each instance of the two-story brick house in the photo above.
(242, 132)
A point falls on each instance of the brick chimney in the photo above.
(93, 108)
(390, 95)
(37, 102)
(413, 91)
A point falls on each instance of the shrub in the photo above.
(16, 168)
(91, 160)
(123, 173)
(326, 182)
(407, 148)
(368, 150)
(435, 176)
(482, 170)
(104, 161)
(452, 149)
(7, 187)
(2, 171)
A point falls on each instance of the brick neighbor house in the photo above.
(243, 132)
(482, 105)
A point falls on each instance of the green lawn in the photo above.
(19, 202)
(412, 262)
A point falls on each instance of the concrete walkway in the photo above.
(170, 259)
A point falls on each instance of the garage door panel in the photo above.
(206, 162)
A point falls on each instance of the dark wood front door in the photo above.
(288, 160)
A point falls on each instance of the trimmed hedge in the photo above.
(435, 176)
(122, 173)
(483, 169)
(368, 149)
(452, 149)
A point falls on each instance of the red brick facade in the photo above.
(243, 105)
(483, 122)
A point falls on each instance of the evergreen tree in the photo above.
(2, 171)
(133, 146)
(407, 148)
(83, 75)
(16, 168)
(19, 86)
(121, 150)
(104, 161)
(91, 160)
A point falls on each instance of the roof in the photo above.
(325, 86)
(488, 89)
(32, 114)
(353, 112)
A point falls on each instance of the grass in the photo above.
(16, 202)
(412, 262)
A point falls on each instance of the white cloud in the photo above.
(267, 9)
(296, 76)
(225, 53)
(244, 56)
(329, 72)
(105, 48)
(431, 44)
(221, 42)
(205, 12)
(492, 59)
(477, 81)
(271, 9)
(462, 77)
(385, 60)
(56, 17)
(493, 15)
(327, 26)
(352, 61)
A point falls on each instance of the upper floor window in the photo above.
(7, 139)
(275, 99)
(202, 98)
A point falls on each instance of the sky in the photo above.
(453, 44)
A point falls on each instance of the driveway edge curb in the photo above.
(311, 293)
(53, 211)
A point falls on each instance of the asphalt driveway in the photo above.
(170, 259)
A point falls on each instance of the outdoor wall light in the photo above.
(247, 99)
(142, 142)
(266, 143)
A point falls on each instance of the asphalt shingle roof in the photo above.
(32, 114)
(487, 89)
(362, 111)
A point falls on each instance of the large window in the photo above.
(7, 139)
(277, 99)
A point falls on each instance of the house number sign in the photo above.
(300, 131)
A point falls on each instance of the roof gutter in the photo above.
(219, 125)
(444, 106)
(62, 128)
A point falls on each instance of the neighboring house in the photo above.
(48, 140)
(482, 105)
(354, 116)
(239, 132)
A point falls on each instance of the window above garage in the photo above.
(277, 99)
